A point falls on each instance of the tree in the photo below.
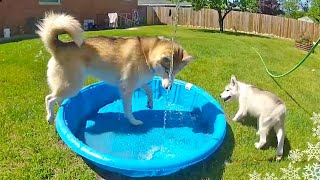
(291, 8)
(271, 7)
(314, 11)
(224, 7)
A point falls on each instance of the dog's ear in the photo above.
(186, 57)
(233, 80)
(165, 62)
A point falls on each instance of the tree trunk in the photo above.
(221, 25)
(220, 20)
(221, 17)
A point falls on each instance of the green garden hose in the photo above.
(291, 70)
(294, 68)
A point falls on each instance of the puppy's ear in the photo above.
(233, 80)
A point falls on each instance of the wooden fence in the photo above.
(235, 21)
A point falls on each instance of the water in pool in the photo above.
(110, 133)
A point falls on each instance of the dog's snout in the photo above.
(168, 87)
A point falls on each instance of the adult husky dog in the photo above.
(128, 63)
(265, 106)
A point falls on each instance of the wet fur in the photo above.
(128, 63)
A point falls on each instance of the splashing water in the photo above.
(167, 110)
(175, 21)
(149, 154)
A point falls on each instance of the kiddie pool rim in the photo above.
(141, 165)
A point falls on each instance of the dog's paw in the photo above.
(136, 122)
(234, 119)
(150, 105)
(258, 133)
(50, 119)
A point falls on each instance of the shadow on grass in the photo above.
(271, 138)
(229, 33)
(212, 167)
(292, 98)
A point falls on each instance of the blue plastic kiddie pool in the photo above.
(184, 127)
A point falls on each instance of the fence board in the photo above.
(235, 20)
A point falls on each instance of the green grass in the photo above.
(29, 147)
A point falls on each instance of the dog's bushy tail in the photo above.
(55, 24)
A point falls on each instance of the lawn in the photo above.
(29, 147)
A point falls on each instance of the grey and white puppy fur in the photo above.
(265, 106)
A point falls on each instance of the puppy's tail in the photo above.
(280, 112)
(277, 116)
(55, 24)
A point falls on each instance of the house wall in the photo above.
(15, 13)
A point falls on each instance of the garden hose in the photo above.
(291, 70)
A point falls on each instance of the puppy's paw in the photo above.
(278, 158)
(50, 119)
(258, 133)
(234, 119)
(258, 145)
(150, 105)
(136, 122)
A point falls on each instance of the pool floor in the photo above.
(108, 131)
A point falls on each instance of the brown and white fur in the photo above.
(265, 106)
(128, 63)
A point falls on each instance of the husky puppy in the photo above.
(265, 106)
(128, 63)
